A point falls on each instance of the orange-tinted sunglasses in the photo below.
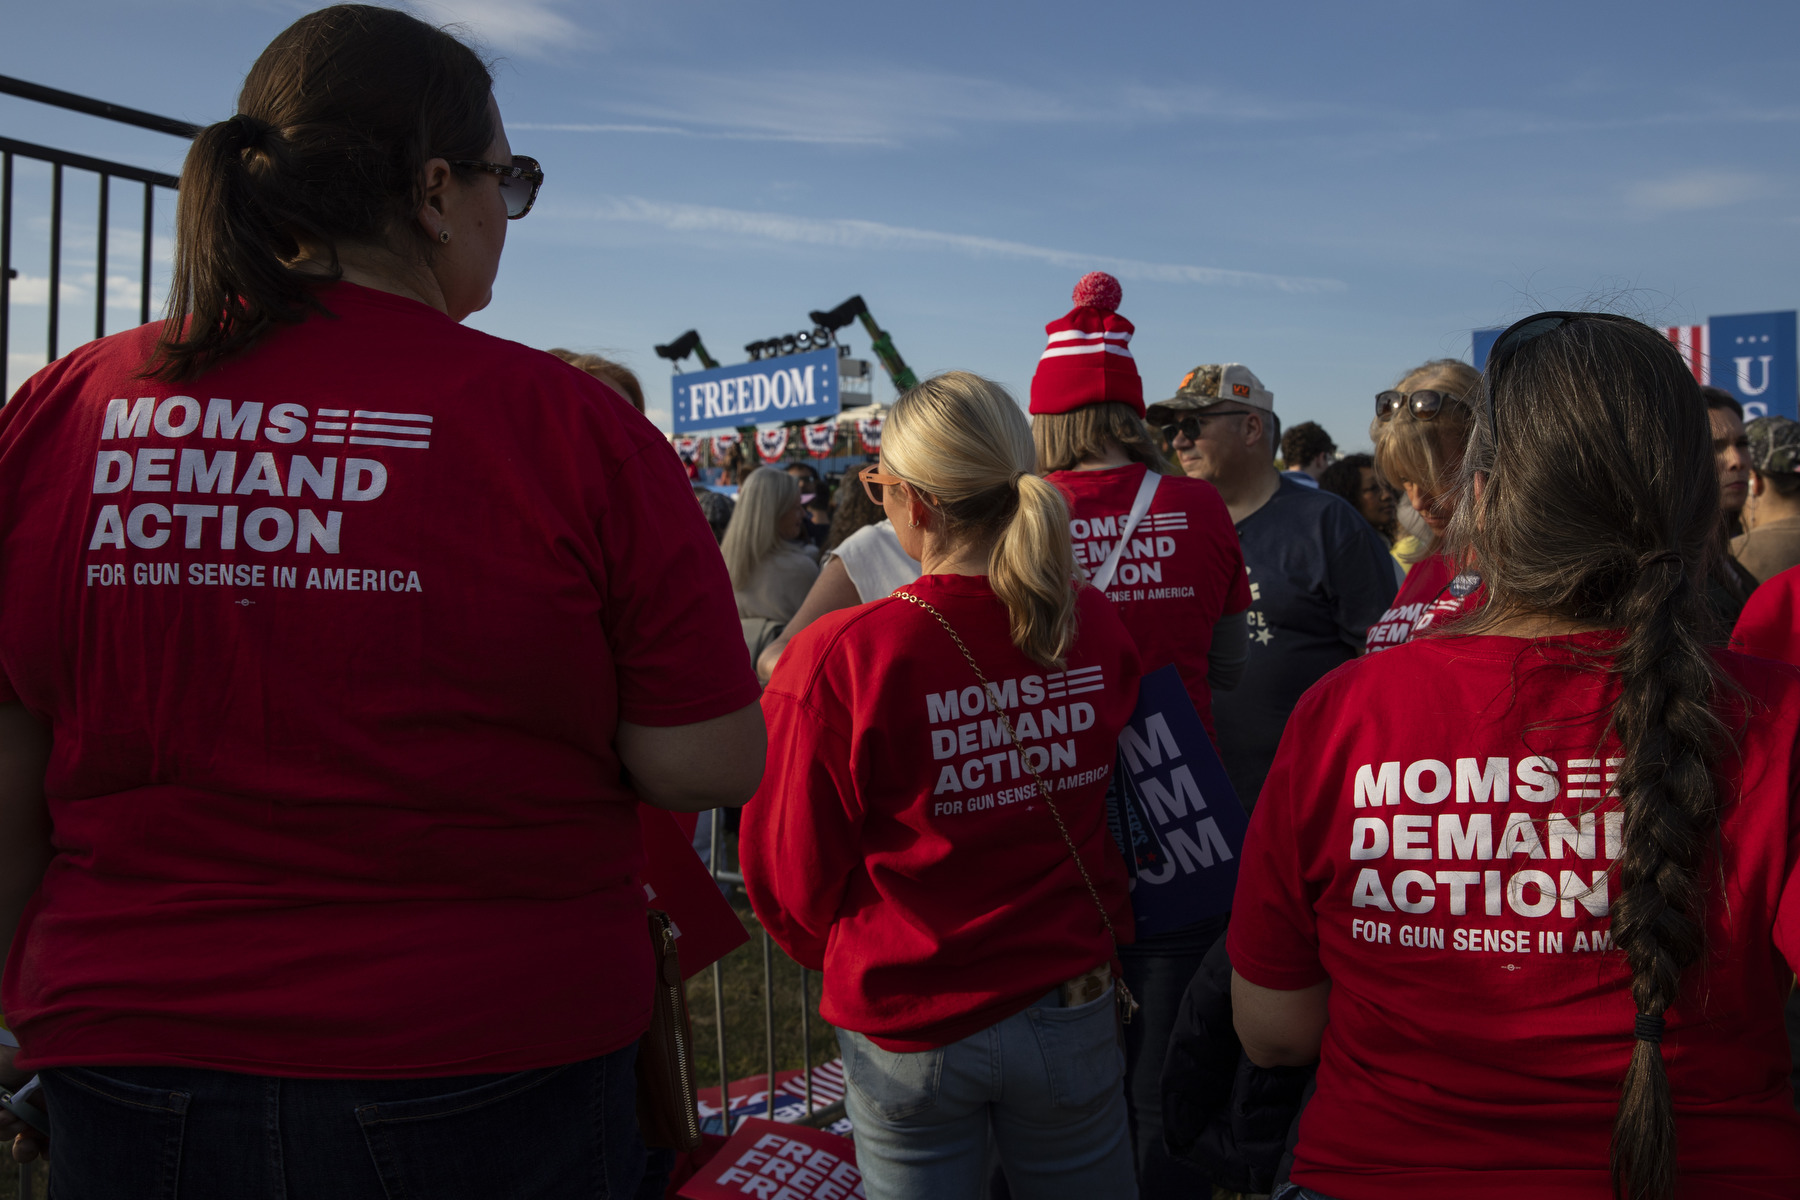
(873, 480)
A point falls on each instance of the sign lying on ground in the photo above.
(779, 1162)
(791, 387)
(1750, 355)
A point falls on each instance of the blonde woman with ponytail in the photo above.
(931, 828)
(1538, 932)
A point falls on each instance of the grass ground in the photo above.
(746, 1036)
(9, 1181)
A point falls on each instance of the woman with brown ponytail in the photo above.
(1538, 932)
(319, 853)
(931, 831)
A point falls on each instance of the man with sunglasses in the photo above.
(1319, 574)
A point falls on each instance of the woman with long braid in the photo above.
(1538, 932)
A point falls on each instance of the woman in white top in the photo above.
(865, 566)
(770, 574)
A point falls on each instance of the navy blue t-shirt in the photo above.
(1319, 577)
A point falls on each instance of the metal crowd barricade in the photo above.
(12, 150)
(816, 1115)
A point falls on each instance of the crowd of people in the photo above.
(321, 784)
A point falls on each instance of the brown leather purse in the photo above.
(668, 1117)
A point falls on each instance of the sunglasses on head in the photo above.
(519, 182)
(1426, 403)
(1192, 427)
(1517, 335)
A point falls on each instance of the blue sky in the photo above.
(1330, 193)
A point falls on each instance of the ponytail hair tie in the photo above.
(1648, 1028)
(1662, 558)
(1016, 476)
(252, 134)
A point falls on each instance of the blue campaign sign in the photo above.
(1482, 342)
(1173, 811)
(790, 387)
(1753, 358)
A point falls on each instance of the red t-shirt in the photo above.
(1181, 573)
(1433, 592)
(1448, 872)
(897, 843)
(1769, 626)
(334, 642)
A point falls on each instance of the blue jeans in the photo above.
(158, 1133)
(1047, 1083)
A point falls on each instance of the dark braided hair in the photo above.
(1598, 505)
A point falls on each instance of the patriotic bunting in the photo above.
(771, 444)
(869, 432)
(820, 438)
(686, 447)
(723, 444)
(1694, 345)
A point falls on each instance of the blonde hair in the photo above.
(618, 376)
(1065, 440)
(754, 533)
(962, 441)
(1428, 453)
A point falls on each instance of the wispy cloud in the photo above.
(888, 106)
(34, 290)
(850, 234)
(528, 27)
(880, 106)
(1694, 191)
(729, 135)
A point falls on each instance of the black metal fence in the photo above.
(112, 187)
(111, 183)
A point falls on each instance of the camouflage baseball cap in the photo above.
(1213, 383)
(1774, 445)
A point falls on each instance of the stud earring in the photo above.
(444, 235)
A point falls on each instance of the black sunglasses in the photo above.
(1520, 332)
(1191, 425)
(519, 183)
(1425, 403)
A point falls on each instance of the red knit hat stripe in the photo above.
(1088, 357)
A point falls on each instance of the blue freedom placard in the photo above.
(1173, 811)
(1753, 358)
(790, 387)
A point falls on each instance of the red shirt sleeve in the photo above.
(1273, 939)
(801, 838)
(677, 646)
(1766, 627)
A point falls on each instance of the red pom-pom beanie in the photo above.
(1088, 359)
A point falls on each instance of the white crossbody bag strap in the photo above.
(1103, 578)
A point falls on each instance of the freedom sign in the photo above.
(1173, 811)
(772, 1161)
(790, 387)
